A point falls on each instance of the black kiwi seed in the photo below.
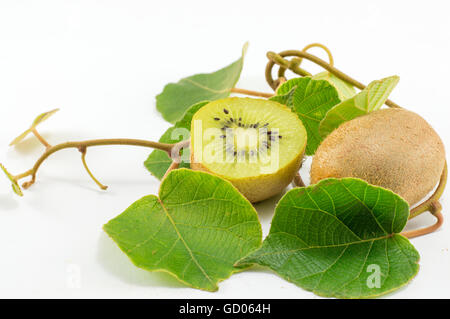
(222, 136)
(232, 120)
(225, 111)
(216, 119)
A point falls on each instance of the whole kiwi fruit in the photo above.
(392, 148)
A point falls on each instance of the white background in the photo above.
(103, 62)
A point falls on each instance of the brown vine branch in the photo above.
(83, 145)
(251, 93)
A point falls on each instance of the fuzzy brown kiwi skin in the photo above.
(261, 187)
(392, 148)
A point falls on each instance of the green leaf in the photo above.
(15, 186)
(337, 237)
(196, 230)
(344, 89)
(368, 100)
(43, 117)
(176, 98)
(159, 161)
(285, 92)
(38, 120)
(311, 101)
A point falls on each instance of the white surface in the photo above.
(103, 62)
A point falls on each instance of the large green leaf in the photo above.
(176, 98)
(344, 89)
(159, 161)
(311, 101)
(368, 100)
(196, 230)
(339, 238)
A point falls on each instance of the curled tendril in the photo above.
(323, 47)
(298, 61)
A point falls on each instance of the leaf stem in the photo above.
(251, 93)
(436, 211)
(82, 145)
(40, 138)
(173, 165)
(23, 175)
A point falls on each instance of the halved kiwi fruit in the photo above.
(393, 148)
(256, 144)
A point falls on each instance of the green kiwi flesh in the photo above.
(256, 144)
